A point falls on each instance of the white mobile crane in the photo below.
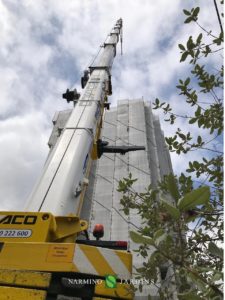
(41, 253)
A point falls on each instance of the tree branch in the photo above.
(218, 16)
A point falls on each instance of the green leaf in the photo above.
(190, 43)
(158, 233)
(191, 295)
(199, 38)
(159, 236)
(215, 250)
(173, 211)
(140, 239)
(217, 41)
(172, 187)
(199, 196)
(192, 121)
(198, 111)
(182, 136)
(187, 81)
(186, 12)
(192, 53)
(196, 11)
(181, 47)
(184, 56)
(188, 20)
(196, 164)
(201, 122)
(154, 256)
(199, 140)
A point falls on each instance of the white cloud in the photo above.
(44, 48)
(23, 151)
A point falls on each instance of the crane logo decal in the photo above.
(18, 219)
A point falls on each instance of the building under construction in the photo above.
(130, 123)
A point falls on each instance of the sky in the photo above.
(46, 45)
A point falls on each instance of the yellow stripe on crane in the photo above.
(102, 261)
(120, 262)
(96, 258)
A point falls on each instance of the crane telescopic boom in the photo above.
(58, 190)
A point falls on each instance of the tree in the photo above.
(190, 256)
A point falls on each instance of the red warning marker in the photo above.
(98, 231)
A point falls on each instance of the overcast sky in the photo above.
(46, 45)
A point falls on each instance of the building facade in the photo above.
(130, 123)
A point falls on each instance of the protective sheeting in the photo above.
(131, 123)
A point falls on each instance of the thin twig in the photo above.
(218, 16)
(209, 33)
